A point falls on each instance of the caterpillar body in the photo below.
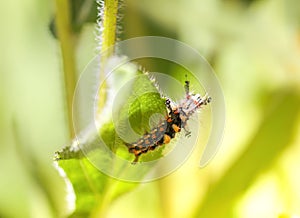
(175, 121)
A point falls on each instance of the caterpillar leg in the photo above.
(168, 104)
(136, 159)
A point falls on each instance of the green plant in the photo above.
(95, 191)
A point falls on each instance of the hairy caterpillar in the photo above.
(176, 119)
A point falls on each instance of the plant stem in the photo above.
(109, 25)
(66, 38)
(108, 39)
(108, 36)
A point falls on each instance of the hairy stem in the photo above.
(108, 38)
(109, 25)
(66, 38)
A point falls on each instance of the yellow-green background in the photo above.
(254, 47)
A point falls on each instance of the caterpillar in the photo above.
(174, 122)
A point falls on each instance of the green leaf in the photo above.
(274, 135)
(93, 189)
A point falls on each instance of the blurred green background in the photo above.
(254, 47)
